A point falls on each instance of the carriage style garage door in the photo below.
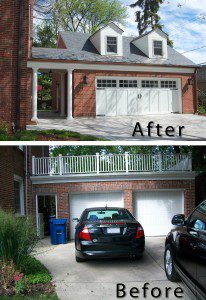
(78, 202)
(137, 96)
(155, 209)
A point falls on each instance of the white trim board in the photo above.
(109, 67)
(113, 177)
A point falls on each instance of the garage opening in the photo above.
(79, 202)
(46, 210)
(137, 96)
(155, 210)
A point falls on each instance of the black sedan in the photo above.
(108, 232)
(185, 251)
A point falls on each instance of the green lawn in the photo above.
(47, 135)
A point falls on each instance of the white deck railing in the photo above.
(117, 163)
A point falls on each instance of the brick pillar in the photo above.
(63, 208)
(189, 196)
(127, 194)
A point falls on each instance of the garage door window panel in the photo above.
(128, 84)
(168, 84)
(150, 84)
(106, 83)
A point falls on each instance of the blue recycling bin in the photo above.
(58, 231)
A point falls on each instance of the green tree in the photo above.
(45, 36)
(147, 16)
(85, 16)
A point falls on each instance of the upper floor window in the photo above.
(158, 48)
(111, 44)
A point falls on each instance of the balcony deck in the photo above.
(117, 164)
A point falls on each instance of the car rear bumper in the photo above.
(89, 254)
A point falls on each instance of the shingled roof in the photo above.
(81, 49)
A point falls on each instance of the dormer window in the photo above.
(158, 48)
(112, 45)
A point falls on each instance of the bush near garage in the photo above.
(20, 273)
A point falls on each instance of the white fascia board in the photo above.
(108, 67)
(113, 177)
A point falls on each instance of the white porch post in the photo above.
(34, 94)
(69, 94)
(62, 94)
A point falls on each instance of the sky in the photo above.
(186, 26)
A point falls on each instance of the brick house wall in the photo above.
(9, 27)
(84, 96)
(63, 190)
(13, 162)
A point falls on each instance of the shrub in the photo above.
(31, 265)
(7, 274)
(39, 278)
(202, 109)
(17, 238)
(3, 127)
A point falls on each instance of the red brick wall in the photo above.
(11, 162)
(127, 187)
(9, 26)
(61, 44)
(84, 96)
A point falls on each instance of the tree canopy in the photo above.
(147, 16)
(74, 15)
(198, 153)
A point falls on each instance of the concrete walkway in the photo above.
(121, 128)
(97, 279)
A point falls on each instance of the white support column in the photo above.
(62, 95)
(34, 95)
(69, 94)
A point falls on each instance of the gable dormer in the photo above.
(153, 44)
(108, 40)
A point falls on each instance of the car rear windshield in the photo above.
(107, 215)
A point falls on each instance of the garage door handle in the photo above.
(139, 96)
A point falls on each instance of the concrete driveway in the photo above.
(97, 279)
(121, 128)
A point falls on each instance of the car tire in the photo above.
(170, 271)
(78, 259)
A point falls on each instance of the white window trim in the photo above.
(21, 181)
(111, 53)
(155, 55)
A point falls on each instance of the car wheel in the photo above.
(170, 271)
(78, 259)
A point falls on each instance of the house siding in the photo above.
(127, 187)
(85, 96)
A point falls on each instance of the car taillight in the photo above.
(84, 234)
(139, 232)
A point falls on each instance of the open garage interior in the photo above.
(79, 202)
(46, 210)
(137, 96)
(155, 209)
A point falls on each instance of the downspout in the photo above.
(26, 183)
(196, 92)
(19, 66)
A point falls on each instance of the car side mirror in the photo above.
(178, 220)
(75, 220)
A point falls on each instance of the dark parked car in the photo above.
(108, 232)
(185, 251)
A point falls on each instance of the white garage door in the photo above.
(154, 210)
(79, 202)
(116, 97)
